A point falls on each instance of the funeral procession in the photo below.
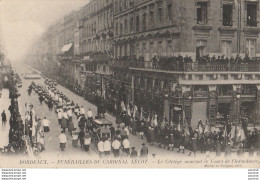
(134, 79)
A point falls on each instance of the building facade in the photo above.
(173, 29)
(197, 28)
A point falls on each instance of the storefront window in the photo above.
(200, 91)
(249, 90)
(225, 90)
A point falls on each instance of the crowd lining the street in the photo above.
(17, 143)
(129, 119)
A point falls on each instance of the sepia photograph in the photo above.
(129, 84)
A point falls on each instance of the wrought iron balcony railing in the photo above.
(190, 67)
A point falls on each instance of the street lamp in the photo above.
(238, 96)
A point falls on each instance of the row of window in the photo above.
(145, 20)
(166, 48)
(160, 48)
(121, 5)
(227, 13)
(226, 48)
(96, 46)
(95, 6)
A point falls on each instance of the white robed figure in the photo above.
(128, 110)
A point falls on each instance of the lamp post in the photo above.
(238, 96)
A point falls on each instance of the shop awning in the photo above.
(66, 47)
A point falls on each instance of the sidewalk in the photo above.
(4, 130)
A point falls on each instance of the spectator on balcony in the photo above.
(238, 59)
(213, 58)
(154, 61)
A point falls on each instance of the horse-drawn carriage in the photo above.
(100, 129)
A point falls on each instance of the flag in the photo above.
(135, 111)
(179, 126)
(206, 130)
(128, 110)
(225, 132)
(123, 106)
(241, 135)
(141, 113)
(200, 128)
(232, 134)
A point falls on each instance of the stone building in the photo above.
(194, 28)
(184, 93)
(190, 28)
(96, 23)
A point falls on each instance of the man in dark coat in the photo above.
(3, 117)
(41, 99)
(64, 124)
(133, 153)
(144, 151)
(81, 137)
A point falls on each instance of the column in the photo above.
(187, 102)
(212, 104)
(235, 104)
(257, 120)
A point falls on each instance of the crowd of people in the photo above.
(183, 138)
(180, 63)
(16, 136)
(131, 119)
(104, 138)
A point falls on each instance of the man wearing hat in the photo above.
(144, 151)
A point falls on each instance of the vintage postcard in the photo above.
(129, 84)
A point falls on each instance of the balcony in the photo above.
(189, 67)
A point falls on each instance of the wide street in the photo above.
(51, 138)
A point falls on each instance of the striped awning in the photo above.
(66, 47)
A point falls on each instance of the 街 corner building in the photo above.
(209, 68)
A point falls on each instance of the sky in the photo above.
(23, 21)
